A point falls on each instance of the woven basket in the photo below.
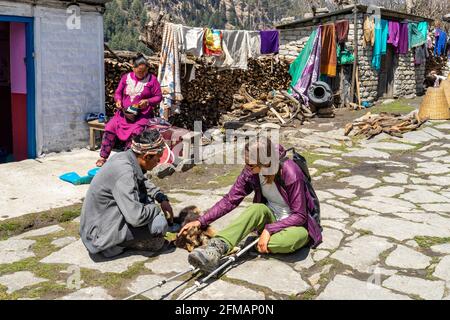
(434, 105)
(446, 86)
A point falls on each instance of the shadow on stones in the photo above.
(130, 252)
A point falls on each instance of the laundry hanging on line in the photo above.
(342, 28)
(369, 32)
(380, 46)
(309, 65)
(212, 42)
(169, 71)
(417, 34)
(328, 60)
(441, 42)
(270, 41)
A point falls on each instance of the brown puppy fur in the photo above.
(195, 237)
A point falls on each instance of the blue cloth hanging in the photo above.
(381, 38)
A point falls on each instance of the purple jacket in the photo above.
(295, 194)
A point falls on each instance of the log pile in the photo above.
(210, 96)
(275, 106)
(393, 124)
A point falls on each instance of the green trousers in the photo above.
(256, 217)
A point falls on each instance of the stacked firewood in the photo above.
(212, 93)
(276, 106)
(393, 124)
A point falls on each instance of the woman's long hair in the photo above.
(262, 153)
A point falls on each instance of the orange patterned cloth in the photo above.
(328, 59)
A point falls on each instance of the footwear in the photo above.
(153, 244)
(208, 258)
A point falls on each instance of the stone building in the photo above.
(52, 74)
(398, 77)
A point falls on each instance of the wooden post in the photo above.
(355, 52)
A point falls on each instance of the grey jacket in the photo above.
(119, 195)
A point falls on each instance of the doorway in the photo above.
(387, 72)
(17, 94)
(6, 144)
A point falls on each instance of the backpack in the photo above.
(302, 163)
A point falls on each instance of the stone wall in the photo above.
(293, 40)
(408, 78)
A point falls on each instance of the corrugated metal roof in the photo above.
(361, 9)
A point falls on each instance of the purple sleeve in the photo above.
(118, 95)
(156, 93)
(296, 192)
(241, 188)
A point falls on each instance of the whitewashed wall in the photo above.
(69, 74)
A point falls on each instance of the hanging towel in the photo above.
(369, 31)
(342, 28)
(212, 42)
(169, 70)
(328, 55)
(270, 41)
(296, 68)
(254, 44)
(191, 40)
(311, 71)
(403, 46)
(417, 34)
(394, 33)
(236, 48)
(380, 47)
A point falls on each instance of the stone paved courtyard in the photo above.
(385, 212)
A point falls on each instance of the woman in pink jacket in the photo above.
(138, 93)
(281, 209)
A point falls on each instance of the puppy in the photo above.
(195, 237)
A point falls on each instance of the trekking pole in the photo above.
(163, 282)
(229, 261)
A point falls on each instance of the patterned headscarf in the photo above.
(143, 148)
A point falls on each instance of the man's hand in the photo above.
(263, 241)
(188, 226)
(168, 211)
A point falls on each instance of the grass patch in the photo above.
(43, 270)
(230, 177)
(427, 242)
(110, 280)
(311, 157)
(365, 232)
(399, 106)
(15, 226)
(309, 294)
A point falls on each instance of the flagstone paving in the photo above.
(385, 211)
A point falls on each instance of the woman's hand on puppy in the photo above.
(189, 226)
